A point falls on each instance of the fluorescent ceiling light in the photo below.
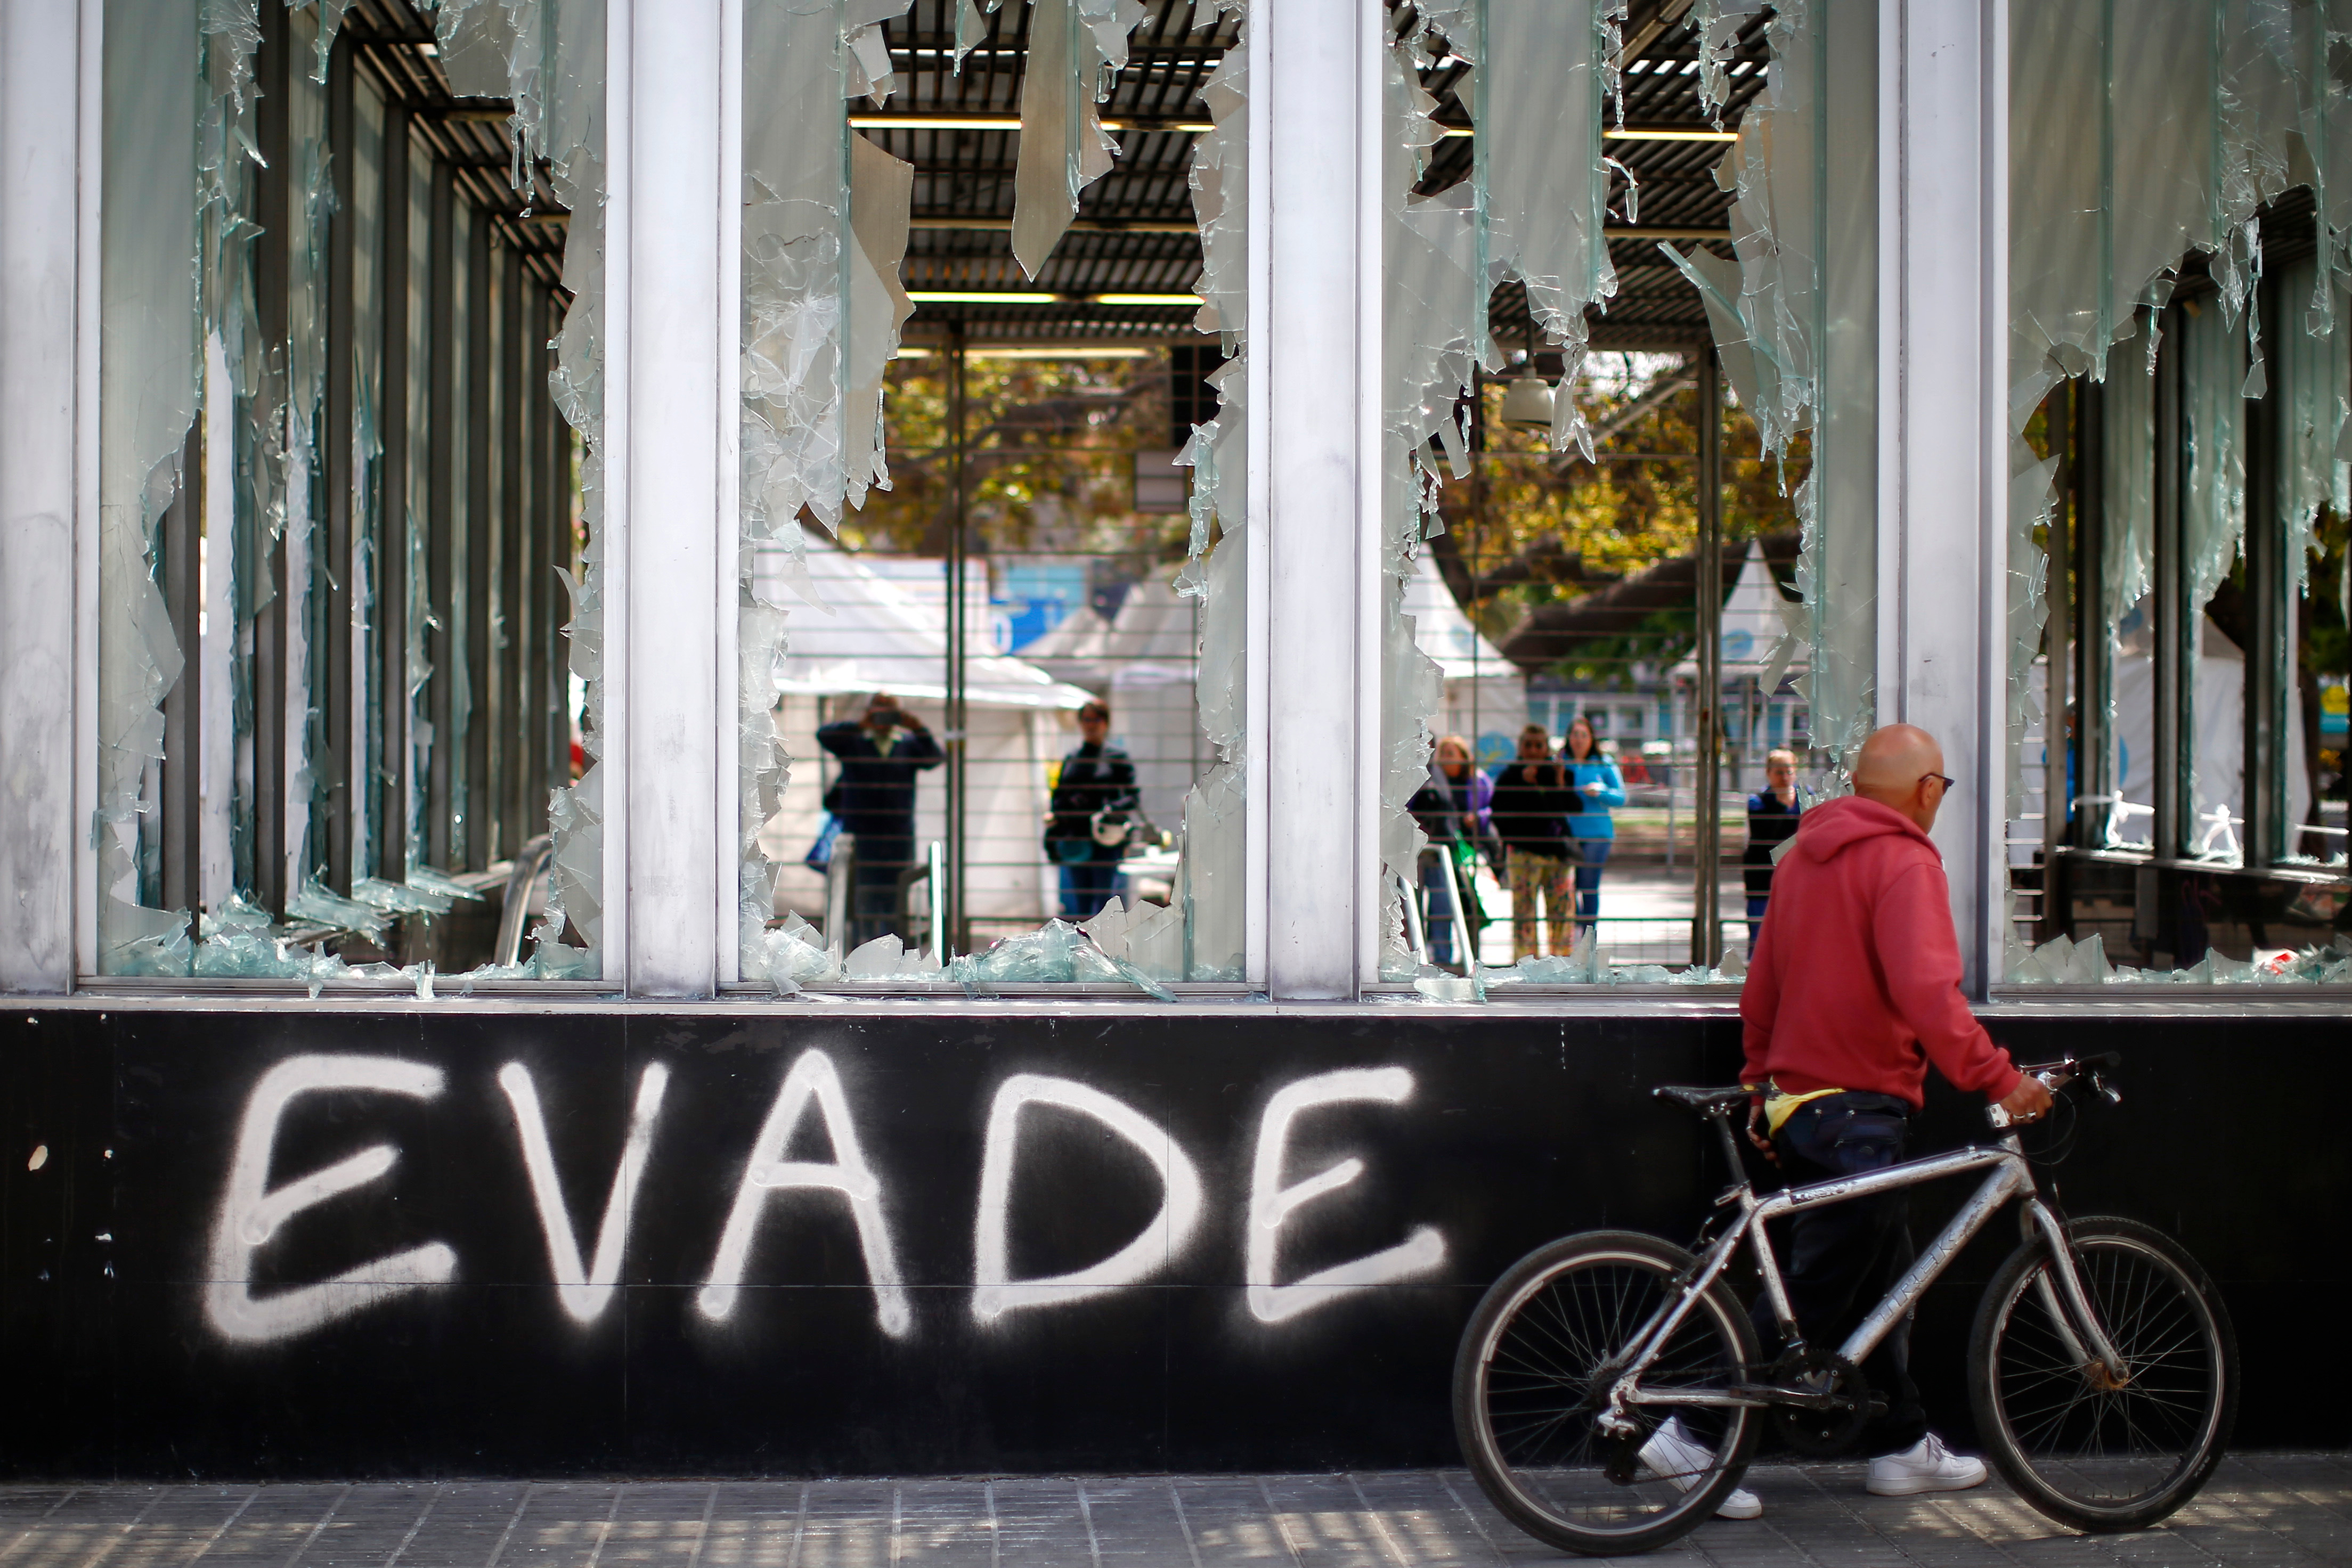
(1004, 122)
(1147, 299)
(1631, 133)
(979, 296)
(1666, 133)
(1068, 353)
(935, 122)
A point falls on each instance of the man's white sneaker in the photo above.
(1673, 1456)
(1925, 1465)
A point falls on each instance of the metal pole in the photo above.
(346, 727)
(2270, 622)
(392, 519)
(181, 774)
(2056, 740)
(477, 844)
(1415, 936)
(2176, 623)
(511, 748)
(1465, 939)
(938, 895)
(2094, 638)
(958, 848)
(442, 541)
(1707, 805)
(265, 555)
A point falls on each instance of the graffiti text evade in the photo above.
(251, 1212)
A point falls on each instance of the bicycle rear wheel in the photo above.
(1535, 1369)
(2087, 1452)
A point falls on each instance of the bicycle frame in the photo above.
(2085, 1337)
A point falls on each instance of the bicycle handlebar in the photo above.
(2057, 1075)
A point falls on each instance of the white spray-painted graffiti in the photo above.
(1154, 1247)
(251, 1212)
(1271, 1203)
(583, 1292)
(811, 1080)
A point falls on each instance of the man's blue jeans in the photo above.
(1841, 1259)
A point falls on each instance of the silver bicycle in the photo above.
(2103, 1372)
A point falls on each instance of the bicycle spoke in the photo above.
(2110, 1447)
(1547, 1378)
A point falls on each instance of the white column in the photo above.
(1942, 558)
(40, 67)
(1319, 242)
(666, 214)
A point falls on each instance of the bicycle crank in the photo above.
(1833, 1407)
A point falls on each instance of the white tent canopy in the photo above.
(1156, 633)
(1155, 625)
(1485, 694)
(1753, 624)
(884, 636)
(880, 636)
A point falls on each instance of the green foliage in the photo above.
(1049, 462)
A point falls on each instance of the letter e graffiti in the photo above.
(1170, 1229)
(1271, 1203)
(251, 1211)
(812, 1080)
(584, 1291)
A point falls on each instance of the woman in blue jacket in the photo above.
(1596, 779)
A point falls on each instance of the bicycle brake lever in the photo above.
(2105, 1090)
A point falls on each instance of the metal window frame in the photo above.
(668, 445)
(392, 586)
(47, 749)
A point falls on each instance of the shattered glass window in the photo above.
(1629, 475)
(992, 557)
(2176, 520)
(350, 389)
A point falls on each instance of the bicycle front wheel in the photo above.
(1535, 1370)
(2079, 1445)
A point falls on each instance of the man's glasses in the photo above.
(1949, 783)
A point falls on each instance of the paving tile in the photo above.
(2262, 1511)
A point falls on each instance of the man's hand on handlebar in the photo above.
(2029, 1102)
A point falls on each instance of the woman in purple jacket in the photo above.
(1473, 798)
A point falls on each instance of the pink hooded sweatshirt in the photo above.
(1856, 979)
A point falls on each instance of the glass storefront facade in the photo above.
(1102, 572)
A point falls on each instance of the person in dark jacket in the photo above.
(880, 754)
(1773, 815)
(1093, 800)
(1533, 798)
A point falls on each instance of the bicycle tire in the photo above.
(2094, 1459)
(1541, 1467)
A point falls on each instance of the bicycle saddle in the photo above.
(1703, 1100)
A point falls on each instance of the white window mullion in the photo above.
(666, 208)
(1320, 488)
(41, 857)
(1950, 311)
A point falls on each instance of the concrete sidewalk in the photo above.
(2270, 1508)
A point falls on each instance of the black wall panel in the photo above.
(123, 1360)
